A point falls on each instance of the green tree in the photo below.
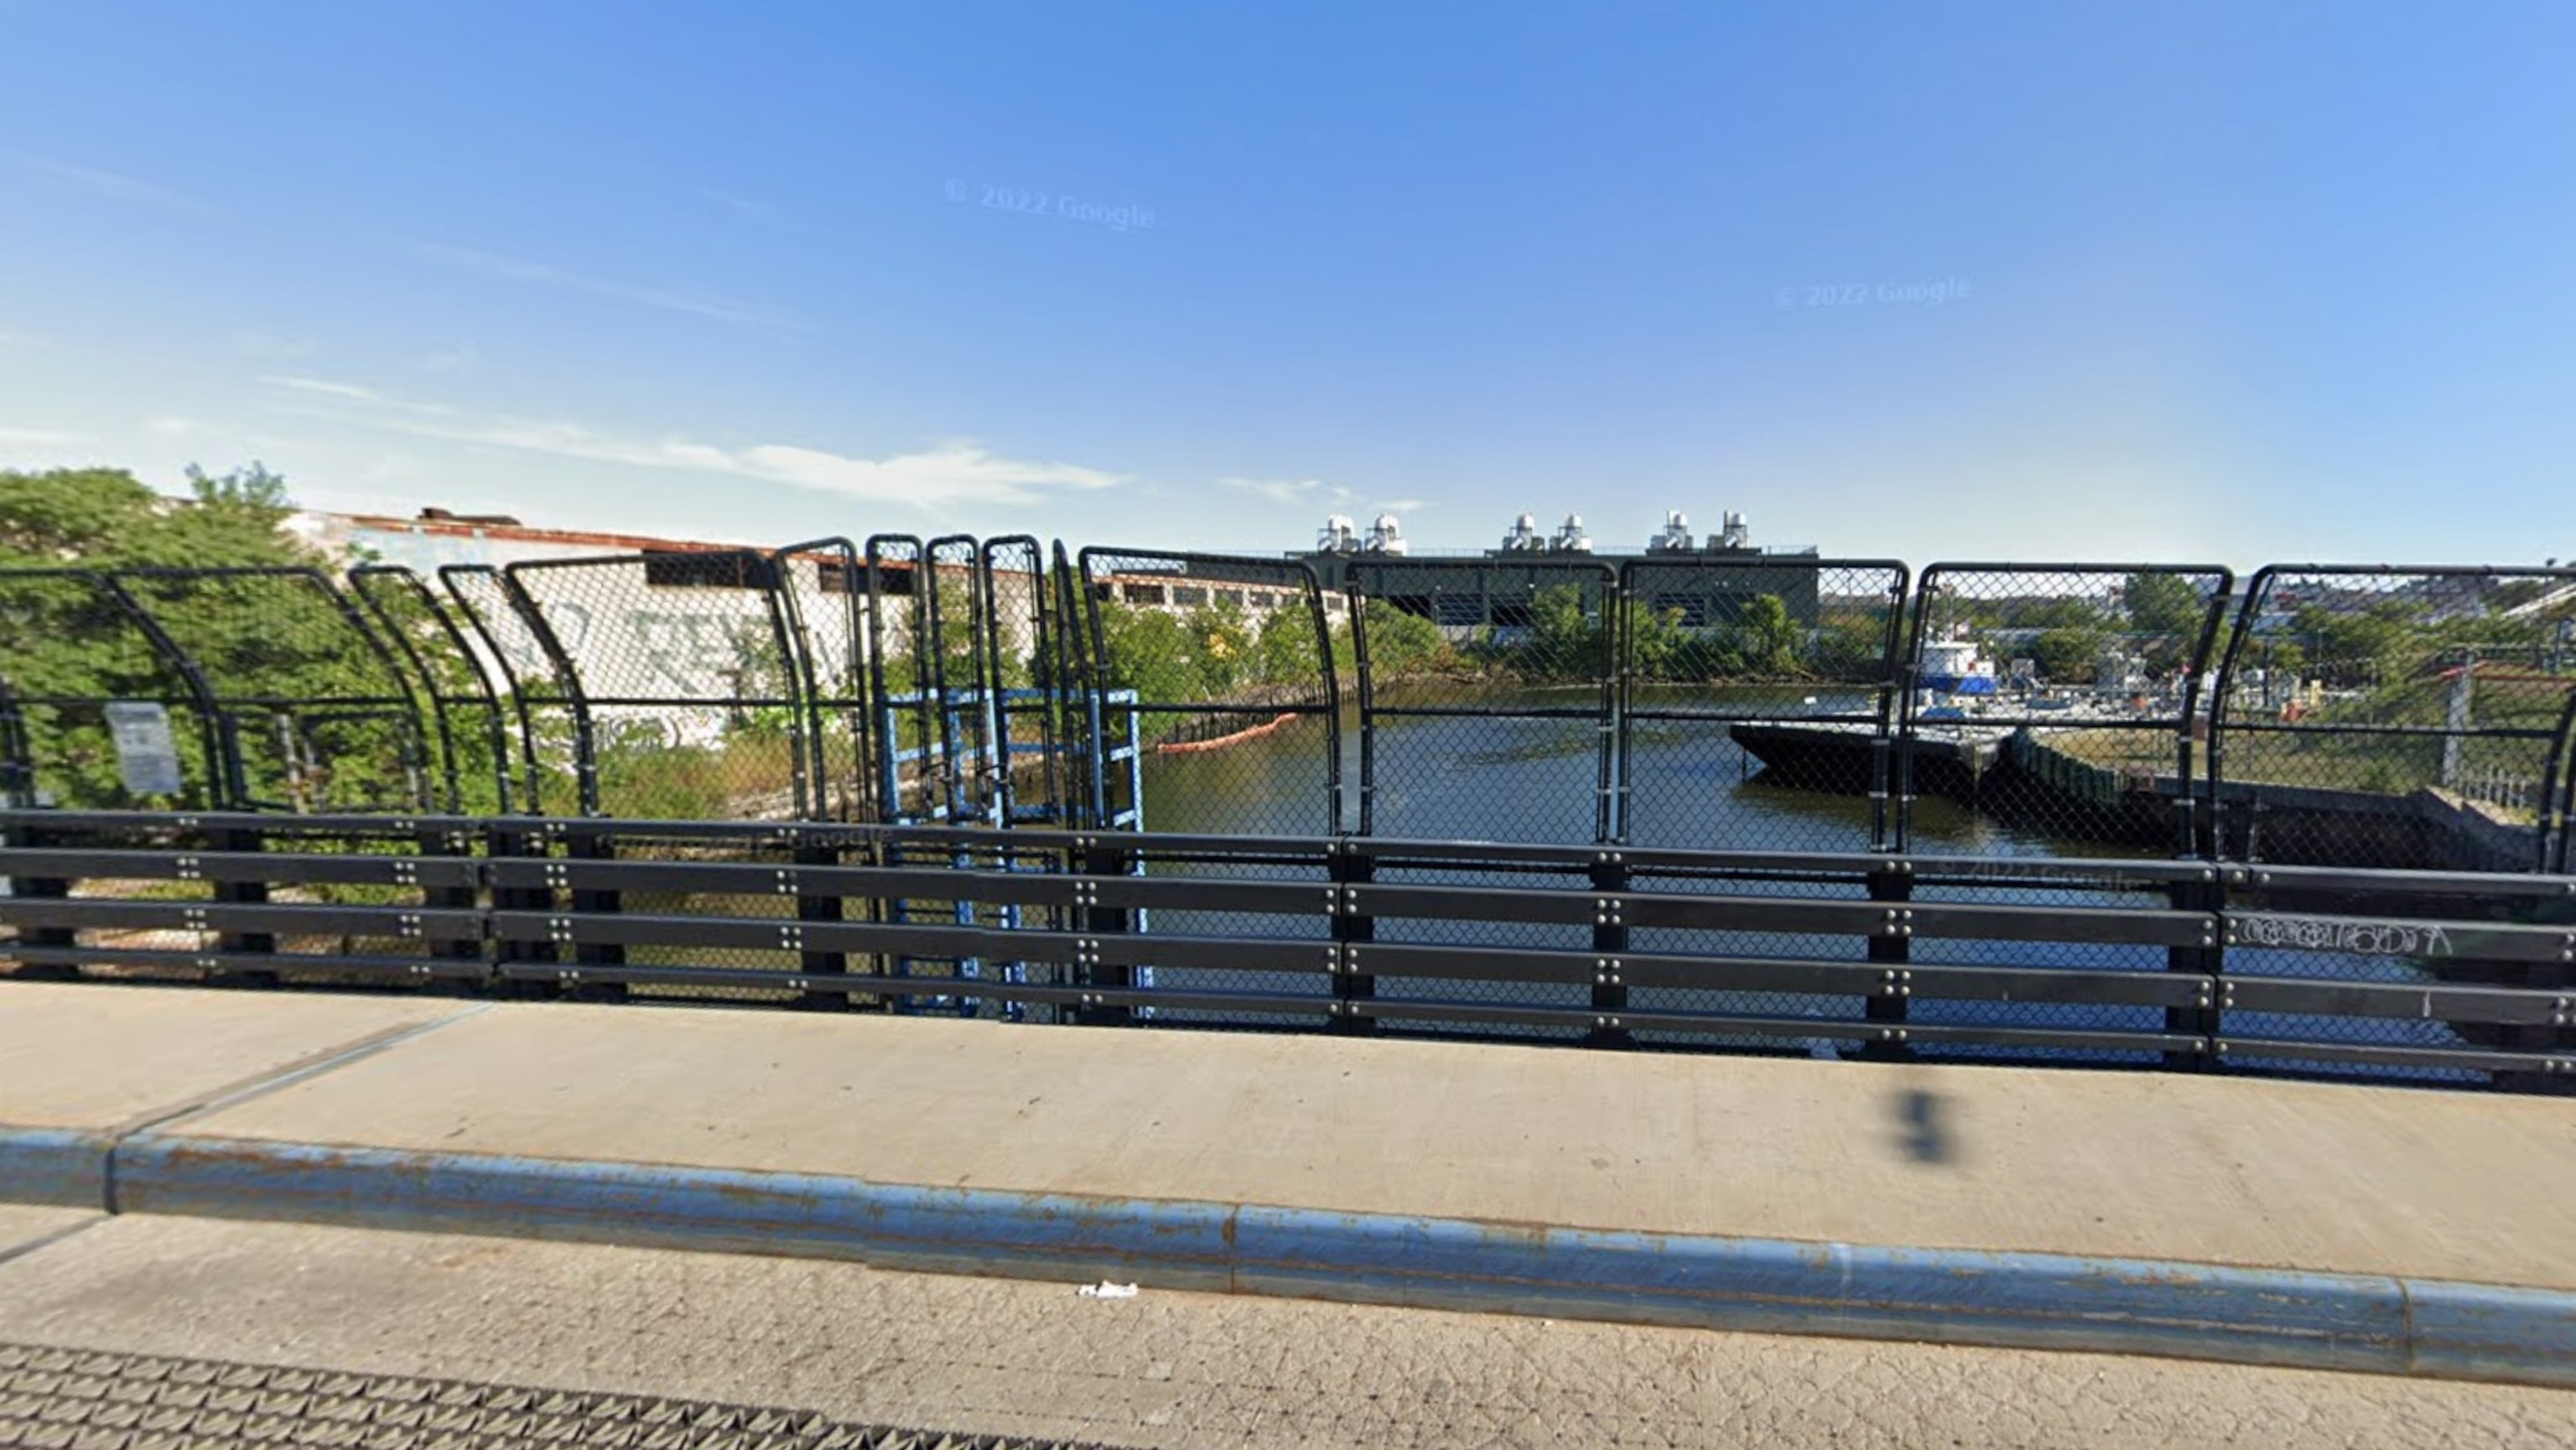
(2383, 641)
(1402, 643)
(1852, 647)
(1285, 648)
(2165, 605)
(2067, 656)
(1566, 638)
(317, 720)
(1658, 647)
(1768, 638)
(1147, 650)
(1222, 648)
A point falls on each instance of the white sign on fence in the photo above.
(145, 754)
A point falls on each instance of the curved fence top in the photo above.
(2319, 714)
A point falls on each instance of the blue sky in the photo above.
(2236, 282)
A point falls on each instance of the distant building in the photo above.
(1702, 584)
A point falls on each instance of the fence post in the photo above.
(1102, 858)
(2539, 977)
(503, 841)
(27, 837)
(597, 845)
(813, 849)
(1892, 946)
(1351, 865)
(2206, 894)
(258, 943)
(446, 840)
(1609, 945)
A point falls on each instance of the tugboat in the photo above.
(1952, 670)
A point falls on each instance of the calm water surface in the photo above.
(1524, 776)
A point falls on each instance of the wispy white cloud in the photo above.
(1295, 492)
(170, 425)
(112, 184)
(1403, 505)
(448, 360)
(519, 269)
(955, 472)
(41, 437)
(1285, 491)
(326, 388)
(19, 339)
(268, 347)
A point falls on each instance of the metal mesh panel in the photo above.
(71, 645)
(1695, 941)
(970, 767)
(1757, 696)
(1314, 926)
(2046, 955)
(2312, 936)
(635, 846)
(822, 591)
(1233, 689)
(536, 701)
(680, 681)
(1487, 698)
(474, 747)
(1455, 931)
(1029, 679)
(903, 688)
(2389, 717)
(2060, 700)
(311, 707)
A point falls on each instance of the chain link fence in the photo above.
(1216, 682)
(1032, 685)
(2397, 717)
(2061, 702)
(1757, 702)
(822, 597)
(102, 710)
(474, 756)
(1687, 699)
(676, 671)
(502, 622)
(1487, 690)
(311, 709)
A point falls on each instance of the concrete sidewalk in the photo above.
(2336, 1226)
(1169, 1369)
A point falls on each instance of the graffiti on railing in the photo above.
(2338, 934)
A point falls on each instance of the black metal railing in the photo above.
(2318, 715)
(2444, 977)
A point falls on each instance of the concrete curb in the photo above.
(55, 1167)
(2374, 1323)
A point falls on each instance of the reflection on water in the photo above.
(1534, 778)
(1541, 778)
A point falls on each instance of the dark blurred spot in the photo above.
(1926, 1140)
